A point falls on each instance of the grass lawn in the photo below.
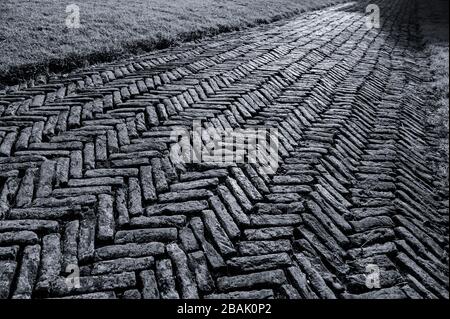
(435, 30)
(34, 37)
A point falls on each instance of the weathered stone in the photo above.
(315, 278)
(184, 275)
(91, 284)
(165, 279)
(89, 156)
(73, 202)
(129, 250)
(159, 176)
(111, 172)
(25, 193)
(123, 217)
(51, 258)
(86, 237)
(313, 224)
(357, 283)
(269, 233)
(328, 223)
(188, 207)
(27, 273)
(8, 269)
(76, 164)
(23, 237)
(299, 280)
(146, 235)
(43, 226)
(134, 197)
(86, 190)
(186, 195)
(188, 240)
(239, 194)
(275, 220)
(9, 253)
(424, 277)
(290, 292)
(197, 262)
(122, 265)
(201, 183)
(224, 217)
(148, 188)
(246, 185)
(98, 181)
(62, 171)
(192, 176)
(158, 221)
(369, 251)
(374, 236)
(233, 206)
(46, 179)
(131, 294)
(369, 223)
(263, 247)
(69, 245)
(293, 179)
(149, 286)
(261, 262)
(386, 293)
(253, 294)
(219, 236)
(214, 258)
(45, 213)
(94, 295)
(100, 148)
(105, 218)
(269, 278)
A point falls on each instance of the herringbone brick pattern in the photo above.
(86, 180)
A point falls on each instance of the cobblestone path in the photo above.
(87, 186)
